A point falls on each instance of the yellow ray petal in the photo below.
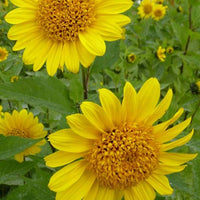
(167, 169)
(20, 15)
(160, 128)
(24, 3)
(113, 6)
(174, 159)
(177, 143)
(105, 194)
(93, 42)
(78, 190)
(67, 140)
(71, 57)
(67, 176)
(121, 20)
(160, 183)
(60, 158)
(160, 109)
(148, 97)
(174, 131)
(91, 195)
(129, 103)
(86, 58)
(111, 105)
(97, 116)
(129, 194)
(143, 191)
(81, 126)
(53, 58)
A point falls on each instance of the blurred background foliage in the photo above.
(52, 98)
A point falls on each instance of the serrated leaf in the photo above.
(47, 92)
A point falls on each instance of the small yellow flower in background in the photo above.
(14, 78)
(4, 2)
(131, 58)
(180, 9)
(146, 8)
(23, 124)
(169, 49)
(3, 54)
(161, 54)
(65, 32)
(159, 11)
(159, 1)
(116, 149)
(198, 84)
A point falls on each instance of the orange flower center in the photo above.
(63, 20)
(17, 132)
(158, 13)
(124, 156)
(147, 8)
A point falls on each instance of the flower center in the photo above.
(17, 132)
(124, 156)
(147, 9)
(158, 13)
(62, 20)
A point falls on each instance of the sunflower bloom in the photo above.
(115, 150)
(170, 50)
(146, 8)
(131, 58)
(159, 11)
(3, 54)
(4, 2)
(65, 32)
(161, 54)
(23, 124)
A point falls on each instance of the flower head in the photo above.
(159, 11)
(23, 124)
(131, 58)
(3, 54)
(115, 150)
(170, 49)
(161, 54)
(65, 32)
(146, 8)
(14, 78)
(5, 3)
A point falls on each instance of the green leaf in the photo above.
(11, 171)
(47, 92)
(12, 145)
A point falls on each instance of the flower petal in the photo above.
(67, 176)
(105, 194)
(60, 158)
(91, 195)
(160, 183)
(67, 140)
(111, 105)
(24, 3)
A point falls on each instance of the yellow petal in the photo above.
(67, 140)
(60, 158)
(20, 15)
(71, 57)
(129, 103)
(113, 6)
(148, 97)
(105, 194)
(86, 58)
(67, 176)
(174, 159)
(177, 143)
(143, 191)
(78, 190)
(120, 19)
(24, 3)
(81, 126)
(129, 194)
(160, 109)
(174, 131)
(91, 195)
(19, 157)
(167, 169)
(160, 183)
(93, 42)
(97, 116)
(111, 105)
(160, 128)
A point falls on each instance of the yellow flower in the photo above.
(5, 3)
(161, 53)
(117, 150)
(198, 84)
(3, 54)
(14, 78)
(23, 124)
(131, 58)
(170, 49)
(159, 1)
(159, 11)
(146, 8)
(65, 32)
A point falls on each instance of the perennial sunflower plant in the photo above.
(146, 8)
(117, 150)
(65, 32)
(25, 125)
(159, 11)
(161, 53)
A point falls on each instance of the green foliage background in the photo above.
(52, 98)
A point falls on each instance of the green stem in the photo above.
(85, 80)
